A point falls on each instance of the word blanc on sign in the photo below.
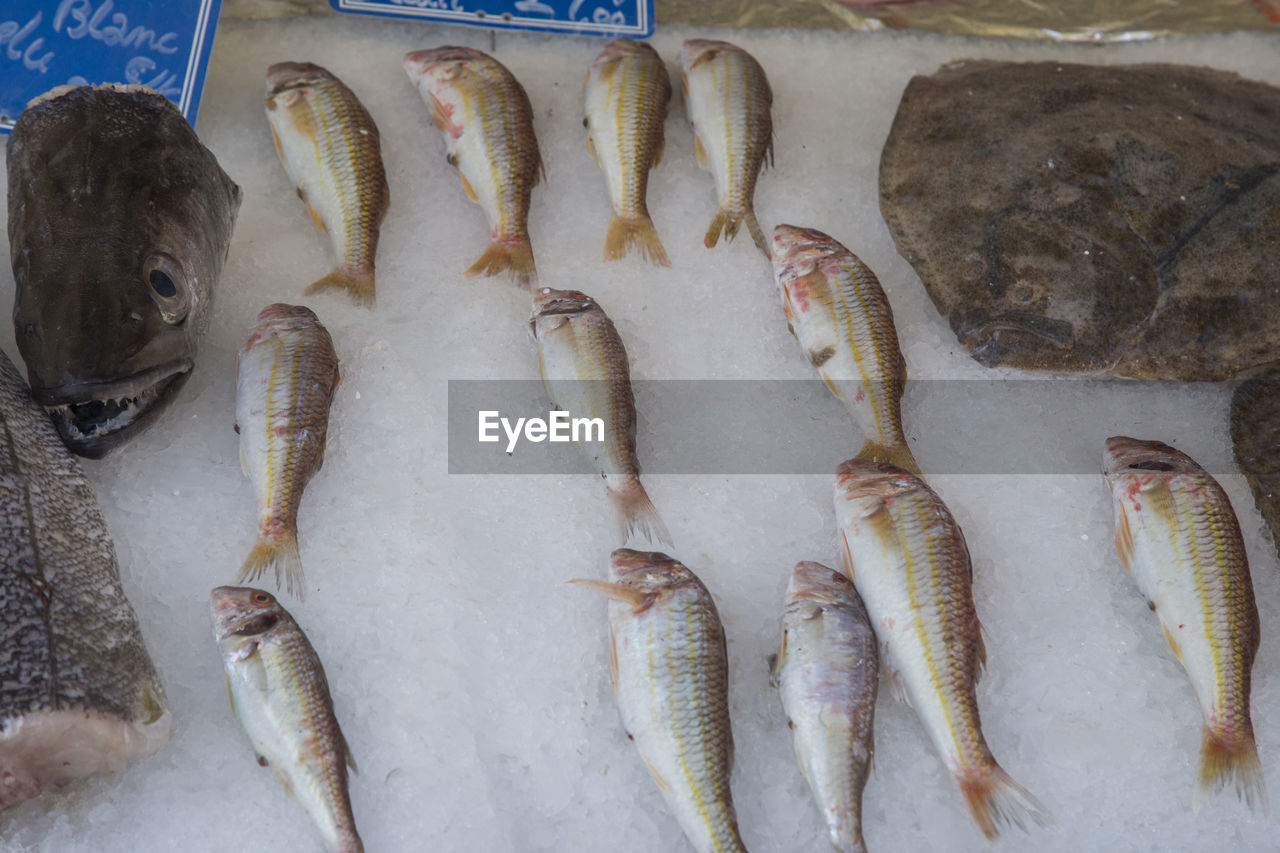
(163, 44)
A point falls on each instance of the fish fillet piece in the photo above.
(627, 94)
(331, 150)
(839, 314)
(728, 101)
(1178, 536)
(80, 693)
(828, 672)
(671, 679)
(907, 557)
(487, 123)
(286, 374)
(585, 371)
(280, 696)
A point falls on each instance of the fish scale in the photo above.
(1178, 535)
(670, 677)
(908, 559)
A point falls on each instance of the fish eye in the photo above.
(167, 286)
(1151, 465)
(260, 597)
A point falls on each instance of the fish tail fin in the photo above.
(281, 555)
(515, 257)
(638, 233)
(1223, 762)
(636, 513)
(894, 454)
(728, 222)
(356, 282)
(995, 800)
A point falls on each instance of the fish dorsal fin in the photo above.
(658, 152)
(346, 750)
(315, 214)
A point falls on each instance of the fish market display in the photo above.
(280, 697)
(119, 223)
(828, 671)
(671, 679)
(838, 312)
(1178, 536)
(584, 368)
(908, 559)
(286, 374)
(728, 98)
(487, 123)
(331, 150)
(627, 94)
(78, 692)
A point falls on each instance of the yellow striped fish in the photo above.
(627, 94)
(285, 376)
(331, 150)
(671, 679)
(1177, 534)
(838, 312)
(487, 123)
(585, 371)
(908, 559)
(281, 699)
(727, 98)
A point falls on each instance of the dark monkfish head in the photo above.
(119, 223)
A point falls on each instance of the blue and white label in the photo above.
(611, 18)
(163, 44)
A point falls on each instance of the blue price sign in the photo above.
(613, 18)
(163, 44)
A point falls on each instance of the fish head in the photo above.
(649, 572)
(551, 308)
(866, 486)
(119, 223)
(815, 582)
(442, 66)
(1133, 459)
(289, 82)
(242, 615)
(622, 49)
(798, 254)
(694, 52)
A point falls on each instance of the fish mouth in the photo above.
(94, 418)
(1123, 454)
(994, 340)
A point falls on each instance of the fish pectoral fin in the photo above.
(439, 115)
(316, 218)
(778, 661)
(897, 685)
(468, 189)
(231, 697)
(700, 153)
(640, 601)
(1173, 644)
(275, 138)
(1124, 541)
(591, 146)
(657, 777)
(846, 557)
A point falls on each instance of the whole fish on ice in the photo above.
(671, 679)
(78, 692)
(907, 557)
(838, 312)
(119, 223)
(1177, 534)
(286, 374)
(281, 698)
(627, 95)
(331, 150)
(728, 101)
(487, 123)
(828, 671)
(585, 371)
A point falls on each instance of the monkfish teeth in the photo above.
(1177, 534)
